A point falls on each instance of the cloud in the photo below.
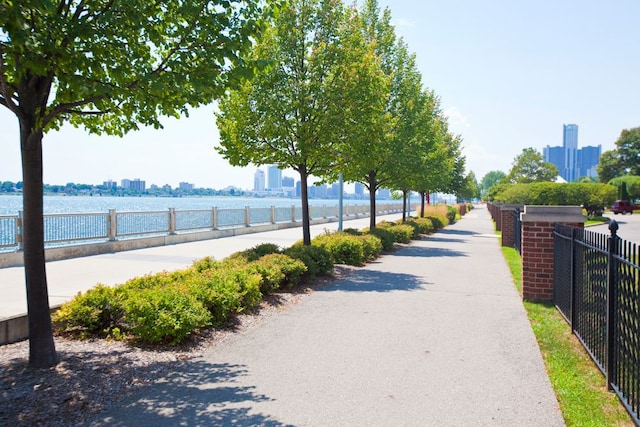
(456, 118)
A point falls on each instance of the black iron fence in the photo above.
(517, 231)
(597, 290)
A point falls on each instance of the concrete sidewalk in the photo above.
(68, 277)
(434, 334)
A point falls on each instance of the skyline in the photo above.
(509, 77)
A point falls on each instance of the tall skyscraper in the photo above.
(274, 176)
(588, 158)
(359, 188)
(573, 163)
(570, 144)
(258, 180)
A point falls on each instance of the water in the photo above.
(11, 204)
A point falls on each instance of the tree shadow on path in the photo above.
(196, 393)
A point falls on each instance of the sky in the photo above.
(508, 74)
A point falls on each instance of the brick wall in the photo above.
(538, 223)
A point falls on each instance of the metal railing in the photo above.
(597, 290)
(62, 229)
(517, 230)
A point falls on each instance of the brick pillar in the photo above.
(507, 220)
(538, 223)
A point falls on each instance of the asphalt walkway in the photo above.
(433, 334)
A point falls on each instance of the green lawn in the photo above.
(579, 385)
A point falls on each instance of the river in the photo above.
(11, 204)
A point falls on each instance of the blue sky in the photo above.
(509, 74)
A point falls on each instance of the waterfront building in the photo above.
(588, 158)
(259, 181)
(288, 182)
(274, 177)
(186, 186)
(570, 144)
(359, 189)
(110, 184)
(573, 163)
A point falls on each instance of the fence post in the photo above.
(172, 221)
(611, 301)
(247, 216)
(214, 218)
(572, 274)
(293, 213)
(538, 223)
(324, 211)
(19, 230)
(273, 214)
(112, 225)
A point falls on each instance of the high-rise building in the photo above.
(274, 176)
(570, 144)
(555, 155)
(359, 189)
(288, 182)
(588, 158)
(259, 180)
(186, 186)
(573, 163)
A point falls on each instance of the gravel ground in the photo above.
(95, 374)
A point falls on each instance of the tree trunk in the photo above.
(404, 205)
(422, 193)
(371, 177)
(42, 350)
(304, 195)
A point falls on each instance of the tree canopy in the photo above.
(624, 159)
(109, 67)
(490, 179)
(529, 166)
(322, 82)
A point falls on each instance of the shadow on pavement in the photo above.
(377, 281)
(203, 395)
(444, 239)
(447, 231)
(422, 252)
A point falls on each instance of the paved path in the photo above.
(431, 335)
(68, 277)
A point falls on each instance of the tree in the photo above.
(471, 188)
(110, 67)
(529, 166)
(311, 100)
(489, 179)
(628, 147)
(609, 166)
(624, 160)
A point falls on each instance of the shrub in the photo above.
(344, 248)
(372, 246)
(401, 233)
(206, 263)
(315, 258)
(438, 222)
(163, 314)
(386, 237)
(95, 312)
(353, 231)
(451, 214)
(279, 271)
(257, 252)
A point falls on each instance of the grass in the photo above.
(578, 384)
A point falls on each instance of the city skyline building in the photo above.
(570, 145)
(573, 163)
(259, 180)
(274, 177)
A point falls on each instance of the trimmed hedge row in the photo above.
(169, 307)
